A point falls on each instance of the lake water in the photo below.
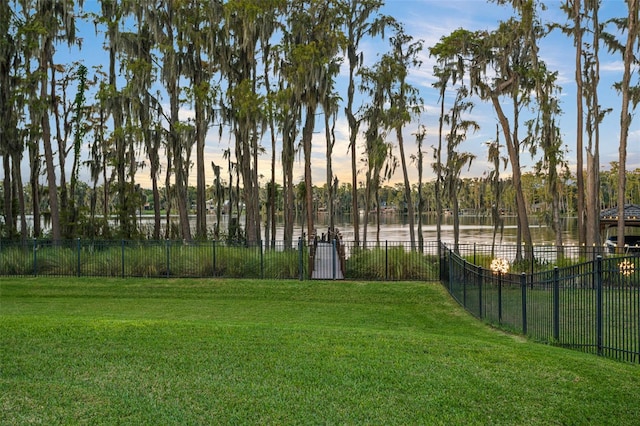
(473, 229)
(394, 228)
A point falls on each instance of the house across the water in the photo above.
(609, 224)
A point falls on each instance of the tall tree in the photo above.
(378, 154)
(143, 106)
(167, 26)
(545, 130)
(496, 184)
(249, 25)
(511, 54)
(419, 160)
(202, 21)
(574, 10)
(330, 108)
(315, 39)
(594, 116)
(630, 97)
(456, 160)
(53, 21)
(443, 74)
(360, 21)
(404, 102)
(112, 17)
(11, 142)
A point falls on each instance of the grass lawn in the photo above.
(144, 351)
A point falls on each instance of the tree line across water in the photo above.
(264, 70)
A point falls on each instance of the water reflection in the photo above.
(394, 227)
(473, 229)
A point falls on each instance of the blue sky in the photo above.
(429, 20)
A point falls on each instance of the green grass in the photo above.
(145, 351)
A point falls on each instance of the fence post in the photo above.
(214, 258)
(261, 261)
(35, 257)
(78, 247)
(333, 257)
(556, 304)
(499, 297)
(475, 262)
(599, 305)
(386, 260)
(464, 285)
(480, 292)
(300, 260)
(167, 244)
(523, 286)
(122, 258)
(450, 273)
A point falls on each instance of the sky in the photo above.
(427, 20)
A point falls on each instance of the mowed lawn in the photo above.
(160, 352)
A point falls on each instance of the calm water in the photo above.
(472, 230)
(394, 228)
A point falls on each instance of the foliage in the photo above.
(393, 263)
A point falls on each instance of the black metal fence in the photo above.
(591, 306)
(389, 261)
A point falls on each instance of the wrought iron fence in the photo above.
(389, 261)
(591, 306)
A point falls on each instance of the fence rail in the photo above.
(591, 306)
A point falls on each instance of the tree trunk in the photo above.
(579, 126)
(329, 171)
(514, 157)
(17, 180)
(201, 133)
(45, 60)
(407, 189)
(6, 186)
(307, 134)
(625, 117)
